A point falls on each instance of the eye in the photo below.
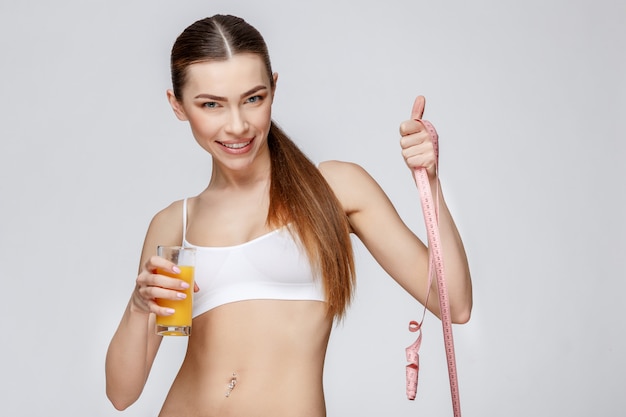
(210, 104)
(254, 99)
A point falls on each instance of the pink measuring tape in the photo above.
(430, 209)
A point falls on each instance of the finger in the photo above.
(159, 310)
(418, 160)
(409, 127)
(195, 287)
(146, 279)
(168, 282)
(415, 139)
(147, 297)
(418, 108)
(164, 293)
(156, 262)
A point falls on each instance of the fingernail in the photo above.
(184, 285)
(181, 295)
(170, 311)
(176, 269)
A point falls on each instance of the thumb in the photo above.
(418, 108)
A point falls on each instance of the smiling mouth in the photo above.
(235, 145)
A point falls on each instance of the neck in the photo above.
(241, 177)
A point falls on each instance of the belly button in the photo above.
(231, 385)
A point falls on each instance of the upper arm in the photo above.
(165, 229)
(376, 222)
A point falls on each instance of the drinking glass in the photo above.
(179, 323)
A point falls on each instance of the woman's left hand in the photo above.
(416, 142)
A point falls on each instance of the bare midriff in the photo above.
(253, 358)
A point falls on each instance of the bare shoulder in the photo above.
(169, 217)
(166, 228)
(351, 183)
(341, 172)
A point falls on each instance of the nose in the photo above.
(237, 124)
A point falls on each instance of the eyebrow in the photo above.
(219, 98)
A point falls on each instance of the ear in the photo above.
(275, 77)
(177, 106)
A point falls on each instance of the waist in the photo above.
(244, 330)
(274, 350)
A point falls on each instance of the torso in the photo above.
(279, 375)
(276, 376)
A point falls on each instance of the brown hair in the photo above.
(299, 194)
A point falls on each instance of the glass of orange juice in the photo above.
(179, 323)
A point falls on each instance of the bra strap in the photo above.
(184, 221)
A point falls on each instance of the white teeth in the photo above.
(236, 145)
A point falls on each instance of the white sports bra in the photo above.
(272, 266)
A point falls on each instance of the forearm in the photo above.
(129, 357)
(457, 273)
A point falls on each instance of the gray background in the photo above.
(525, 95)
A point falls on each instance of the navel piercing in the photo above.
(231, 384)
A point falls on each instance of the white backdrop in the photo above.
(525, 95)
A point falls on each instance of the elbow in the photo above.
(120, 405)
(461, 313)
(120, 402)
(461, 309)
(457, 315)
(122, 389)
(461, 317)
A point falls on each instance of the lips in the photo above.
(236, 146)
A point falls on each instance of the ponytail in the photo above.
(300, 196)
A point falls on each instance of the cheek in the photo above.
(263, 118)
(202, 125)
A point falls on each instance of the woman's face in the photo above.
(228, 106)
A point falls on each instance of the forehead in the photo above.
(226, 78)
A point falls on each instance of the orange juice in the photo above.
(179, 323)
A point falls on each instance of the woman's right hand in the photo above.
(150, 285)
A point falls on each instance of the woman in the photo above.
(275, 230)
